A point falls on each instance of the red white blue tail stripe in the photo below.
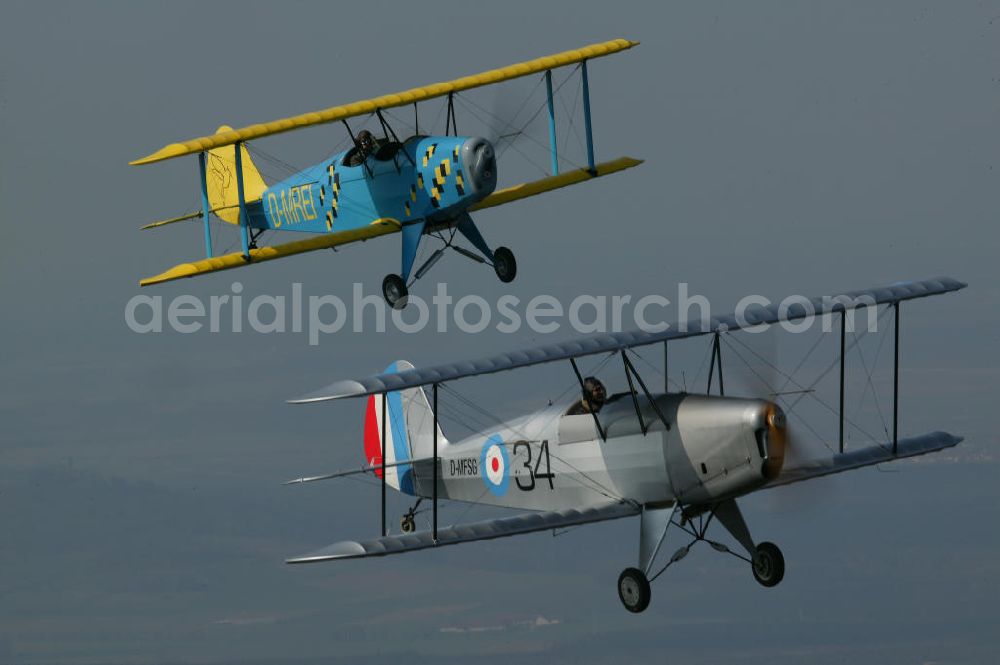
(397, 444)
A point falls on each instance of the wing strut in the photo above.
(588, 130)
(843, 341)
(387, 129)
(449, 117)
(630, 368)
(666, 368)
(434, 522)
(629, 372)
(552, 123)
(385, 399)
(244, 237)
(635, 397)
(716, 361)
(895, 384)
(586, 118)
(202, 156)
(895, 378)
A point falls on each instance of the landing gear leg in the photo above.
(394, 286)
(501, 258)
(766, 560)
(633, 585)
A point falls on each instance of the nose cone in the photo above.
(479, 164)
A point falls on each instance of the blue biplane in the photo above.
(421, 185)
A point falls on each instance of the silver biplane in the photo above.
(674, 459)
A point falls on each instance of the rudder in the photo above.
(220, 176)
(410, 435)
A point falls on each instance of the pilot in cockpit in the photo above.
(594, 396)
(364, 146)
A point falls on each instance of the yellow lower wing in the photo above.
(384, 226)
(536, 187)
(377, 228)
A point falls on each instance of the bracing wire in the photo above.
(805, 390)
(583, 479)
(870, 383)
(520, 131)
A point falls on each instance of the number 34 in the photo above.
(533, 472)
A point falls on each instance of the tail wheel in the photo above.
(633, 590)
(394, 291)
(504, 264)
(768, 565)
(407, 524)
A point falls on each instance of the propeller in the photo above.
(751, 370)
(751, 365)
(507, 115)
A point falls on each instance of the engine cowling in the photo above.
(723, 447)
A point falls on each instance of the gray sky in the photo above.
(790, 147)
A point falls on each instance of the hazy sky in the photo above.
(790, 147)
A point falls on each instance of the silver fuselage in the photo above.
(715, 447)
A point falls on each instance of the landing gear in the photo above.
(768, 565)
(408, 522)
(501, 258)
(504, 264)
(765, 559)
(633, 589)
(394, 291)
(394, 286)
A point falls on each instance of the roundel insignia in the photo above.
(495, 464)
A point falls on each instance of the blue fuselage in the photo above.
(432, 178)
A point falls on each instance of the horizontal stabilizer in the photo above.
(371, 468)
(467, 533)
(182, 218)
(226, 261)
(536, 187)
(856, 459)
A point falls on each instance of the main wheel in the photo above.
(394, 291)
(633, 589)
(504, 264)
(768, 564)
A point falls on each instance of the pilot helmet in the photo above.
(366, 141)
(594, 391)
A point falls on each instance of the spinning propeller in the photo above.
(752, 371)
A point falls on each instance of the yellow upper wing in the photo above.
(336, 113)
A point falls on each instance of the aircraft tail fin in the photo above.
(220, 174)
(410, 433)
